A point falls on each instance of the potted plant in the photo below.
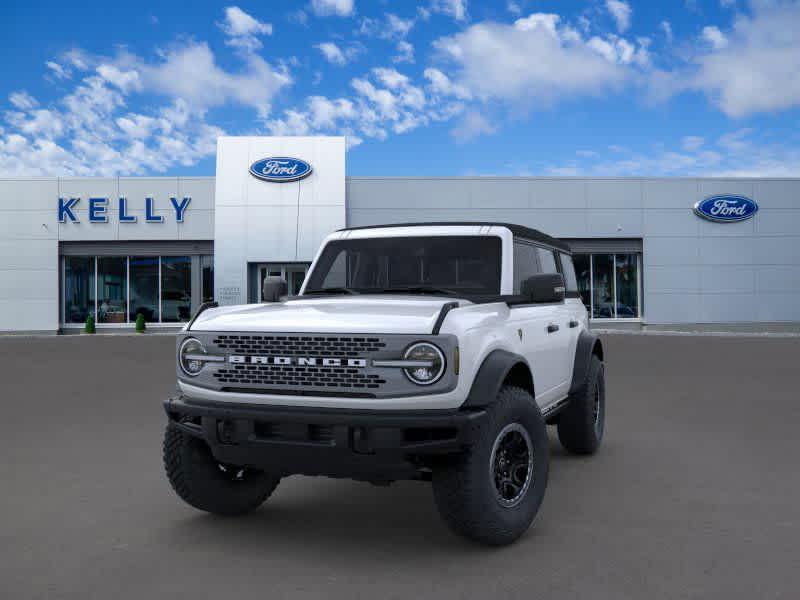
(89, 327)
(140, 326)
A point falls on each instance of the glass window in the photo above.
(603, 286)
(526, 264)
(547, 260)
(627, 286)
(112, 284)
(144, 288)
(176, 288)
(207, 270)
(568, 270)
(78, 288)
(583, 274)
(469, 264)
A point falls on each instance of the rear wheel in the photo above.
(206, 484)
(492, 492)
(582, 423)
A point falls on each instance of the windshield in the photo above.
(442, 264)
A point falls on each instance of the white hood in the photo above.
(338, 314)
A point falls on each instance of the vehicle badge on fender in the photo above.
(726, 208)
(280, 169)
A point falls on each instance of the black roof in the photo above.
(519, 231)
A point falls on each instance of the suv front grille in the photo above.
(294, 345)
(294, 378)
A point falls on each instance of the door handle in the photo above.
(573, 323)
(552, 328)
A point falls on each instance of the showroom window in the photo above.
(116, 289)
(610, 284)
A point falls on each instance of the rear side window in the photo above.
(526, 264)
(547, 260)
(569, 273)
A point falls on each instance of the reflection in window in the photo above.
(78, 288)
(207, 271)
(176, 289)
(603, 286)
(144, 287)
(627, 286)
(112, 280)
(584, 274)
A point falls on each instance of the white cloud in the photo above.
(441, 84)
(666, 27)
(727, 3)
(621, 11)
(453, 8)
(243, 29)
(405, 53)
(339, 8)
(536, 60)
(22, 100)
(758, 70)
(398, 27)
(336, 55)
(59, 71)
(514, 8)
(472, 124)
(715, 37)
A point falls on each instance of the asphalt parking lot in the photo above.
(695, 494)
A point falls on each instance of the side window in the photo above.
(547, 260)
(569, 273)
(525, 264)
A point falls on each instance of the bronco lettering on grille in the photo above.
(300, 361)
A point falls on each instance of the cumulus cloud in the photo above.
(243, 29)
(757, 66)
(336, 55)
(536, 60)
(405, 52)
(453, 8)
(621, 12)
(339, 8)
(471, 125)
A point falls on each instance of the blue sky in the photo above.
(439, 87)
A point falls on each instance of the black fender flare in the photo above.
(588, 345)
(490, 377)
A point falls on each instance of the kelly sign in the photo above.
(99, 208)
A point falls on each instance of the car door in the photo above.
(559, 333)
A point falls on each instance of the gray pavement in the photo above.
(695, 493)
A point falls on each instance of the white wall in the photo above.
(262, 221)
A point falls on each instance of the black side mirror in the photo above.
(544, 287)
(273, 288)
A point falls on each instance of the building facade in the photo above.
(114, 248)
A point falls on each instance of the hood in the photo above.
(339, 314)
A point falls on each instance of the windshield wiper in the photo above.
(417, 289)
(330, 290)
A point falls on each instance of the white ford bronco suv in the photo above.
(428, 351)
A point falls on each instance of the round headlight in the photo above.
(191, 355)
(430, 363)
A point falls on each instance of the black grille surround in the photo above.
(256, 371)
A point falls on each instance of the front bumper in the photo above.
(359, 444)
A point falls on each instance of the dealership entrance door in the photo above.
(293, 273)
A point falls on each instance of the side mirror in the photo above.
(273, 288)
(544, 288)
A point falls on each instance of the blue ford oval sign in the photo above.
(280, 169)
(726, 209)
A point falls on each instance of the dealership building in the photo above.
(652, 252)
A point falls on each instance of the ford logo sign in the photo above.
(726, 209)
(280, 169)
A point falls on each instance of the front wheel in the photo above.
(492, 492)
(206, 484)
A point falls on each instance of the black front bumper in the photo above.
(371, 445)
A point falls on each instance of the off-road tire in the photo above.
(464, 487)
(203, 483)
(580, 428)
